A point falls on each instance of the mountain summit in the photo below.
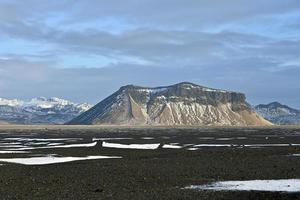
(278, 113)
(180, 104)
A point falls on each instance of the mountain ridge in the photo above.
(39, 110)
(279, 113)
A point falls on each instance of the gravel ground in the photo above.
(150, 174)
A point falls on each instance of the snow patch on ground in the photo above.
(283, 185)
(62, 146)
(130, 146)
(213, 145)
(224, 139)
(41, 139)
(51, 159)
(171, 146)
(9, 152)
(270, 145)
(297, 154)
(147, 138)
(241, 138)
(103, 139)
(192, 149)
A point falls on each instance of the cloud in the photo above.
(84, 50)
(94, 84)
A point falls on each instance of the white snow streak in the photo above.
(283, 185)
(103, 139)
(130, 146)
(171, 146)
(51, 160)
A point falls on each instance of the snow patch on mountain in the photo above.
(279, 113)
(40, 110)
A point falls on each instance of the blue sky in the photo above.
(85, 50)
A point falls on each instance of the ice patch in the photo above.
(130, 146)
(283, 185)
(51, 159)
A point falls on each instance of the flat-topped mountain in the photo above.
(180, 104)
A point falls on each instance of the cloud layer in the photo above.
(85, 50)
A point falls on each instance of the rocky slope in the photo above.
(39, 111)
(180, 104)
(279, 114)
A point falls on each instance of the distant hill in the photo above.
(180, 104)
(39, 111)
(279, 114)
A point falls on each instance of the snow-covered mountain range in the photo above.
(279, 114)
(40, 110)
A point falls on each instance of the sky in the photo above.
(85, 50)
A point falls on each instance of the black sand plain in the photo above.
(152, 174)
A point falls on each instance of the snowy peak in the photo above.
(279, 113)
(43, 102)
(276, 108)
(12, 102)
(40, 110)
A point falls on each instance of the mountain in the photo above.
(39, 111)
(180, 104)
(279, 114)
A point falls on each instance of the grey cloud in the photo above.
(92, 85)
(166, 42)
(182, 13)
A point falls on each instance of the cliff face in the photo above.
(180, 104)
